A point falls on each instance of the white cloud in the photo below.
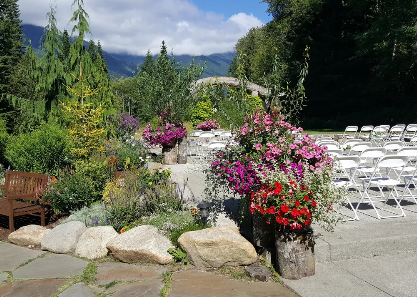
(134, 26)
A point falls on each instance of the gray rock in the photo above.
(30, 235)
(63, 238)
(51, 266)
(258, 272)
(142, 244)
(78, 290)
(216, 247)
(92, 243)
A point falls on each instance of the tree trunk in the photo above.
(295, 256)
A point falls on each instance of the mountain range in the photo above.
(124, 65)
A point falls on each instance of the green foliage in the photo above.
(11, 41)
(167, 279)
(84, 128)
(44, 151)
(89, 274)
(4, 137)
(69, 192)
(179, 255)
(193, 225)
(202, 111)
(130, 154)
(95, 215)
(168, 85)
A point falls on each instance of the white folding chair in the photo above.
(393, 145)
(409, 132)
(396, 132)
(348, 165)
(411, 153)
(378, 135)
(365, 132)
(359, 147)
(348, 132)
(386, 162)
(196, 133)
(333, 153)
(370, 156)
(350, 142)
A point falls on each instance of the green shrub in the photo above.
(4, 137)
(98, 171)
(70, 191)
(191, 226)
(202, 111)
(43, 151)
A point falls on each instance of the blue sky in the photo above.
(194, 27)
(231, 7)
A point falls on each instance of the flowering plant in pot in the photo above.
(167, 132)
(208, 125)
(283, 177)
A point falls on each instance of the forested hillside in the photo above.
(362, 56)
(123, 65)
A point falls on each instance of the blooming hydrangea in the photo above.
(208, 125)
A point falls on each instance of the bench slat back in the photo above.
(24, 185)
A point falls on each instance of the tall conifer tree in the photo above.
(11, 41)
(52, 78)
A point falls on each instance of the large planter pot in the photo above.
(263, 233)
(295, 253)
(169, 152)
(182, 151)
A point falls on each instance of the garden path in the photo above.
(25, 272)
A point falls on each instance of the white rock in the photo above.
(30, 235)
(216, 247)
(92, 243)
(142, 244)
(63, 238)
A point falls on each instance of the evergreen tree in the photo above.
(11, 41)
(28, 102)
(100, 56)
(92, 50)
(148, 65)
(66, 45)
(52, 79)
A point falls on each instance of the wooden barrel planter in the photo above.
(295, 253)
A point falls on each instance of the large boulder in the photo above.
(63, 238)
(142, 244)
(216, 247)
(92, 243)
(30, 235)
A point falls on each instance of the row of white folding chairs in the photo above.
(397, 167)
(381, 132)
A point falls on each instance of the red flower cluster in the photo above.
(290, 205)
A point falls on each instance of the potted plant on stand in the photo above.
(166, 134)
(286, 182)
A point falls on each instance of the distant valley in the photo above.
(124, 65)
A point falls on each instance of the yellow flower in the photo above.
(150, 183)
(123, 230)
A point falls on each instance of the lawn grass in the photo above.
(325, 131)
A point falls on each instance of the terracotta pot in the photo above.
(295, 253)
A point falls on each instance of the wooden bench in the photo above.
(20, 195)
